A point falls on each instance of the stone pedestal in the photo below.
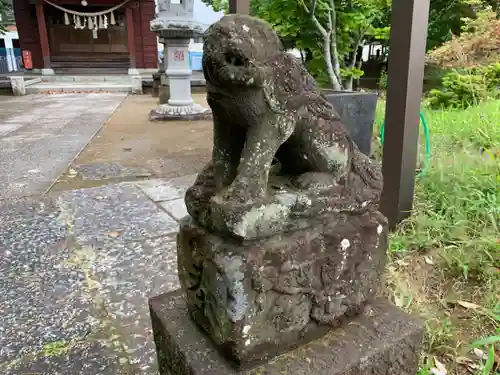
(181, 105)
(282, 254)
(18, 86)
(155, 91)
(175, 27)
(133, 72)
(382, 340)
(164, 90)
(257, 299)
(48, 72)
(136, 82)
(179, 73)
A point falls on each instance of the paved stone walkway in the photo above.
(76, 271)
(41, 134)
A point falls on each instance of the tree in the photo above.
(478, 44)
(334, 30)
(218, 5)
(5, 7)
(447, 18)
(330, 31)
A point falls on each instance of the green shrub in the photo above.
(461, 89)
(382, 83)
(492, 76)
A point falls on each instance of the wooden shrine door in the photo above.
(83, 51)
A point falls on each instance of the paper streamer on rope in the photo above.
(94, 20)
(88, 14)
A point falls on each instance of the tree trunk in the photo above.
(302, 57)
(360, 66)
(348, 83)
(334, 78)
(353, 60)
(334, 56)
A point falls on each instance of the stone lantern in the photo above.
(175, 27)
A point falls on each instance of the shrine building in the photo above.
(87, 36)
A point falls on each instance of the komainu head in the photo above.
(236, 49)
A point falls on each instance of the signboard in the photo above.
(178, 55)
(28, 61)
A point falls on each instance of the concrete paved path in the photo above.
(76, 271)
(41, 134)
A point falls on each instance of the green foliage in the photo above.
(477, 44)
(289, 21)
(489, 343)
(218, 5)
(5, 6)
(448, 17)
(356, 20)
(382, 83)
(56, 348)
(360, 19)
(457, 207)
(492, 76)
(445, 20)
(451, 241)
(462, 89)
(351, 73)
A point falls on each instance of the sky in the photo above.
(203, 13)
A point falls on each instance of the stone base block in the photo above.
(382, 341)
(136, 82)
(48, 72)
(166, 112)
(259, 298)
(163, 94)
(155, 92)
(18, 86)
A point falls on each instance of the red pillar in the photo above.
(44, 39)
(131, 36)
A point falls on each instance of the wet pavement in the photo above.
(40, 135)
(76, 271)
(77, 266)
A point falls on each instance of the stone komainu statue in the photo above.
(267, 107)
(284, 239)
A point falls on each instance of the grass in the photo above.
(445, 259)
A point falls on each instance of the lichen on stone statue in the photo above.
(285, 240)
(280, 150)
